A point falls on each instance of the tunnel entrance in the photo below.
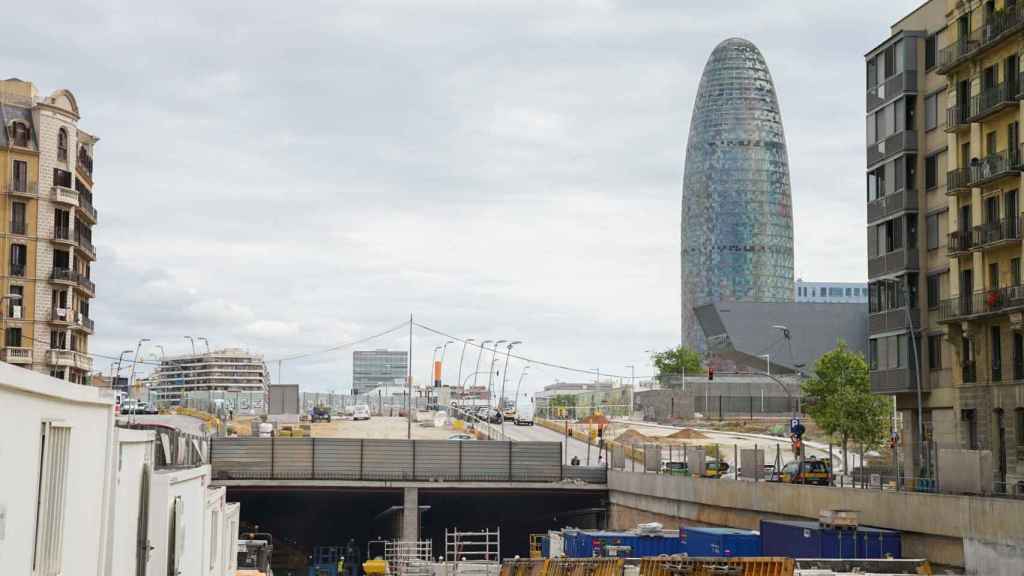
(301, 519)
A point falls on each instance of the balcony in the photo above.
(992, 100)
(62, 235)
(16, 355)
(905, 141)
(891, 204)
(957, 118)
(981, 305)
(23, 189)
(84, 323)
(85, 161)
(18, 270)
(959, 243)
(19, 227)
(61, 316)
(86, 209)
(957, 181)
(64, 195)
(995, 166)
(69, 359)
(894, 319)
(1000, 25)
(902, 83)
(86, 286)
(85, 246)
(74, 278)
(894, 381)
(996, 234)
(893, 262)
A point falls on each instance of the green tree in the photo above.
(839, 399)
(676, 361)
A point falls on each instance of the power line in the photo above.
(530, 360)
(340, 346)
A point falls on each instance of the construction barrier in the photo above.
(692, 566)
(563, 567)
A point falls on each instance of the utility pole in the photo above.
(508, 352)
(408, 377)
(458, 379)
(490, 376)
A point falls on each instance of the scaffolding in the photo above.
(472, 552)
(409, 558)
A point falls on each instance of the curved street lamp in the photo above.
(443, 350)
(458, 379)
(504, 375)
(479, 354)
(490, 378)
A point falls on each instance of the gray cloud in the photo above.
(286, 179)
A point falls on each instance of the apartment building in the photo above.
(944, 109)
(46, 218)
(372, 369)
(199, 375)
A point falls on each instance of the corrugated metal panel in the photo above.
(536, 461)
(293, 458)
(241, 458)
(437, 459)
(591, 474)
(485, 461)
(387, 460)
(338, 459)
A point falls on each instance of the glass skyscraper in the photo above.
(737, 218)
(372, 369)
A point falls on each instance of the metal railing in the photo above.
(62, 233)
(959, 242)
(22, 188)
(1005, 230)
(393, 460)
(999, 25)
(991, 99)
(86, 206)
(957, 117)
(18, 270)
(995, 165)
(988, 302)
(957, 180)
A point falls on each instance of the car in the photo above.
(461, 437)
(715, 469)
(361, 412)
(675, 468)
(813, 471)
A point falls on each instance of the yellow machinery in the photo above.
(375, 567)
(535, 546)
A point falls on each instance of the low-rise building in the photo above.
(228, 370)
(831, 292)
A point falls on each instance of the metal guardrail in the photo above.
(393, 460)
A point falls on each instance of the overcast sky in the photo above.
(285, 179)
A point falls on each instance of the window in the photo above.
(933, 291)
(58, 340)
(931, 112)
(935, 352)
(14, 305)
(931, 50)
(61, 224)
(993, 275)
(1019, 413)
(62, 145)
(18, 218)
(19, 178)
(20, 134)
(911, 231)
(19, 256)
(1015, 271)
(873, 354)
(931, 172)
(931, 230)
(849, 292)
(872, 73)
(61, 178)
(12, 338)
(61, 260)
(47, 556)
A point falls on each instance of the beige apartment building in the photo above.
(46, 218)
(945, 158)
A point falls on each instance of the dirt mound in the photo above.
(632, 438)
(687, 434)
(598, 419)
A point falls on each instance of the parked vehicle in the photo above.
(715, 469)
(675, 468)
(813, 471)
(361, 412)
(320, 413)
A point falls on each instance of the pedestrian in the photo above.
(575, 461)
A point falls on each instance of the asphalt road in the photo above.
(537, 433)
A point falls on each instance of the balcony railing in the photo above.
(992, 100)
(982, 304)
(66, 275)
(62, 233)
(22, 188)
(959, 242)
(70, 358)
(996, 27)
(1004, 231)
(891, 262)
(996, 165)
(64, 195)
(957, 117)
(61, 315)
(903, 83)
(891, 204)
(18, 227)
(17, 355)
(85, 205)
(86, 245)
(18, 270)
(904, 141)
(894, 319)
(969, 372)
(85, 160)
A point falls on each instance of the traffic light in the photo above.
(711, 373)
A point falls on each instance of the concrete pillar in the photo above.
(411, 514)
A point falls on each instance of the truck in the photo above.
(524, 415)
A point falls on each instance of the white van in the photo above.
(524, 415)
(361, 412)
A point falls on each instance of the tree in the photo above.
(839, 399)
(679, 360)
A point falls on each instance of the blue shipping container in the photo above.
(587, 544)
(811, 540)
(545, 547)
(715, 542)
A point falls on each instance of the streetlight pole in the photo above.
(767, 363)
(443, 351)
(162, 353)
(458, 379)
(479, 354)
(632, 390)
(138, 347)
(205, 341)
(490, 378)
(193, 341)
(504, 375)
(433, 361)
(119, 360)
(521, 376)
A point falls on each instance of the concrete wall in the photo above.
(27, 399)
(940, 527)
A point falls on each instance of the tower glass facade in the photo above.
(737, 219)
